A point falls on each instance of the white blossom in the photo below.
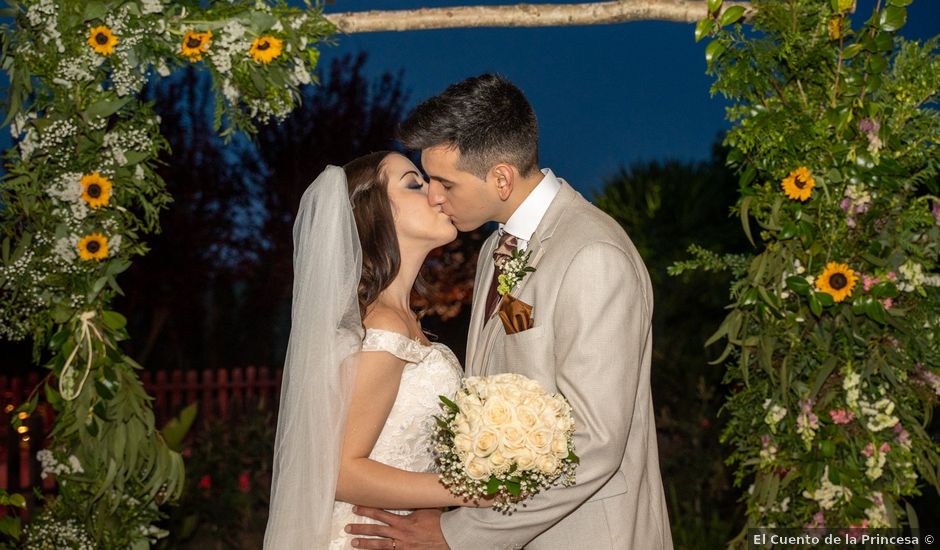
(775, 413)
(828, 493)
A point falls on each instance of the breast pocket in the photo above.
(528, 352)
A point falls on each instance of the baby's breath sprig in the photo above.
(513, 271)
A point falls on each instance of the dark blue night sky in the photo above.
(606, 96)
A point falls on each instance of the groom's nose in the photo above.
(435, 193)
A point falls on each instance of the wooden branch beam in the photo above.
(525, 15)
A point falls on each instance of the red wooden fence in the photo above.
(218, 392)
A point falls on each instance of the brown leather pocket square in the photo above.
(515, 314)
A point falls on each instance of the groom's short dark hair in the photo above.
(487, 118)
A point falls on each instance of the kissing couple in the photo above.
(354, 457)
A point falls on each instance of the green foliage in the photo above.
(225, 500)
(10, 525)
(833, 333)
(80, 193)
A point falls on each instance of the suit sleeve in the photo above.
(602, 322)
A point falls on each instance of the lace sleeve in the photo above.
(395, 343)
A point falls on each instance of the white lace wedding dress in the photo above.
(405, 441)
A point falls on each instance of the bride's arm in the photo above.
(365, 481)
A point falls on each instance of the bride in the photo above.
(361, 382)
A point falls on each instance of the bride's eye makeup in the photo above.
(415, 184)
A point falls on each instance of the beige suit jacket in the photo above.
(592, 342)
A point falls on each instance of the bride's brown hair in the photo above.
(372, 209)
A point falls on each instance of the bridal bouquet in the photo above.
(504, 436)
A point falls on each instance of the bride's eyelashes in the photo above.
(415, 184)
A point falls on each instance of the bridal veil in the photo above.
(325, 338)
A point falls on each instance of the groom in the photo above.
(591, 305)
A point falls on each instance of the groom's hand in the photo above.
(420, 530)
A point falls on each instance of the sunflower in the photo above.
(195, 44)
(102, 40)
(799, 184)
(837, 280)
(93, 246)
(265, 48)
(96, 190)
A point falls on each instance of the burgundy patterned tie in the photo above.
(504, 249)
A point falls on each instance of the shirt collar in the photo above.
(526, 218)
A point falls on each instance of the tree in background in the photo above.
(665, 207)
(215, 289)
(176, 294)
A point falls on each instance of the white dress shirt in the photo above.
(528, 215)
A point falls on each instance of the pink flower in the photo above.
(904, 438)
(888, 303)
(892, 276)
(819, 521)
(868, 282)
(885, 448)
(841, 416)
(856, 530)
(869, 450)
(936, 211)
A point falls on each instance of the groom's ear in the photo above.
(504, 176)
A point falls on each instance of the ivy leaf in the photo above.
(876, 311)
(714, 6)
(814, 304)
(732, 15)
(702, 28)
(825, 299)
(95, 10)
(713, 50)
(789, 231)
(892, 18)
(851, 51)
(798, 285)
(114, 320)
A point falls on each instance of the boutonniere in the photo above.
(513, 271)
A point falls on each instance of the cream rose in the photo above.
(460, 424)
(485, 442)
(527, 417)
(560, 446)
(524, 458)
(547, 464)
(496, 413)
(513, 436)
(477, 468)
(498, 463)
(539, 440)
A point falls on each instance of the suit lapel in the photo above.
(481, 288)
(486, 335)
